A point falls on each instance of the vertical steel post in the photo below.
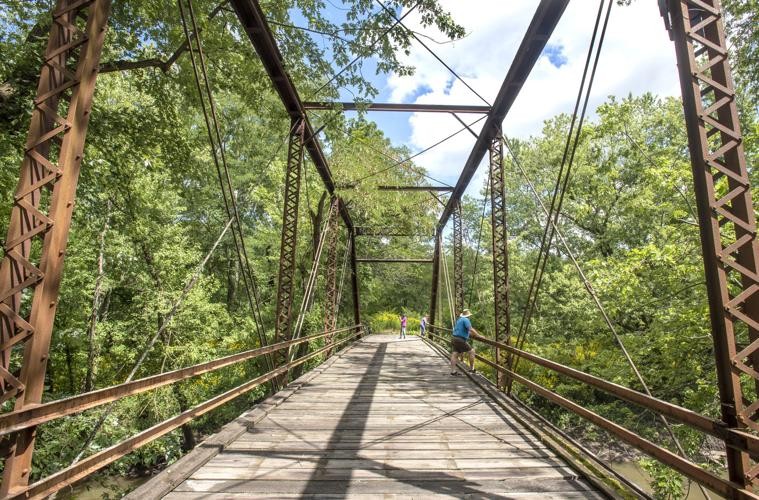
(330, 283)
(48, 178)
(500, 249)
(354, 281)
(458, 260)
(725, 212)
(435, 280)
(286, 281)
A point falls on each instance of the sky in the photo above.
(637, 57)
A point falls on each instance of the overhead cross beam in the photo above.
(394, 261)
(402, 107)
(254, 22)
(415, 188)
(542, 25)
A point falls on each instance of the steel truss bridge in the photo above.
(46, 194)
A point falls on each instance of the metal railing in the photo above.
(736, 439)
(16, 421)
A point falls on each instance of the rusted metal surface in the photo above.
(382, 232)
(458, 261)
(354, 280)
(288, 245)
(402, 107)
(544, 21)
(500, 250)
(28, 417)
(330, 278)
(708, 425)
(730, 489)
(93, 463)
(415, 188)
(253, 21)
(725, 211)
(48, 179)
(435, 280)
(393, 261)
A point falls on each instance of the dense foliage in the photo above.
(149, 209)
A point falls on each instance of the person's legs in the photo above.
(454, 359)
(471, 359)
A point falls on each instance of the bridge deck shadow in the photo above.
(386, 419)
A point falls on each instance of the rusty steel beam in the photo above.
(500, 251)
(727, 488)
(380, 231)
(253, 20)
(354, 280)
(393, 261)
(407, 108)
(415, 188)
(330, 279)
(47, 182)
(289, 240)
(725, 211)
(708, 425)
(93, 463)
(435, 279)
(544, 21)
(458, 261)
(32, 416)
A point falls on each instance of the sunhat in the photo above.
(466, 313)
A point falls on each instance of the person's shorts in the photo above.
(460, 345)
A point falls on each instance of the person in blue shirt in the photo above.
(460, 341)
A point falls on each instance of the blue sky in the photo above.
(630, 63)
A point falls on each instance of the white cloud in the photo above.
(634, 60)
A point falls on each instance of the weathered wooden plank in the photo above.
(414, 444)
(536, 473)
(380, 496)
(385, 419)
(413, 486)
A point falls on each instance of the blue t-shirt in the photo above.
(463, 325)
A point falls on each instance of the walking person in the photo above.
(403, 327)
(460, 341)
(422, 326)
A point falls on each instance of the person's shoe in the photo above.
(455, 374)
(473, 371)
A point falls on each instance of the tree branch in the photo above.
(122, 65)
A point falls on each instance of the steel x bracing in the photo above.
(354, 280)
(435, 280)
(48, 179)
(330, 283)
(500, 248)
(285, 284)
(458, 260)
(725, 210)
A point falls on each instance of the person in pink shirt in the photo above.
(403, 327)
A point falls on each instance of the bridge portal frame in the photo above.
(722, 188)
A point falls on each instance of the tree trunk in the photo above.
(233, 278)
(96, 302)
(188, 438)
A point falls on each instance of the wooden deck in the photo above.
(385, 419)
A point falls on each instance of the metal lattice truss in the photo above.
(726, 213)
(30, 275)
(286, 285)
(500, 247)
(330, 285)
(458, 260)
